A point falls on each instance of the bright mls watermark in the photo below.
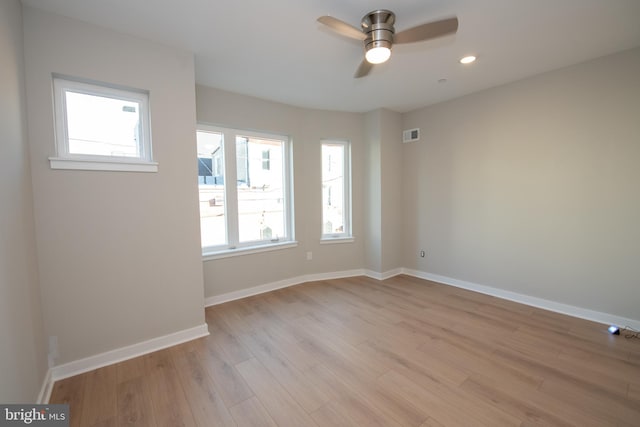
(34, 415)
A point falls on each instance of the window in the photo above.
(336, 190)
(266, 165)
(101, 127)
(255, 210)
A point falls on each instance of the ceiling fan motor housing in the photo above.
(378, 25)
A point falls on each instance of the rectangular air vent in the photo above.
(411, 135)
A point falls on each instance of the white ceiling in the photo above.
(276, 50)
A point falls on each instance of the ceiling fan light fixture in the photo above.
(379, 34)
(378, 55)
(467, 59)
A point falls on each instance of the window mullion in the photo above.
(231, 189)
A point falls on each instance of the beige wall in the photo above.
(533, 187)
(22, 350)
(119, 253)
(391, 190)
(373, 191)
(306, 128)
(383, 245)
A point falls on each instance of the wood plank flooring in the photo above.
(359, 352)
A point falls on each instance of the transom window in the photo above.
(98, 126)
(256, 210)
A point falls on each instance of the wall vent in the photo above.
(411, 135)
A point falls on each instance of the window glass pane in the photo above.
(213, 227)
(260, 182)
(333, 184)
(98, 125)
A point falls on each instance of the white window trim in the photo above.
(234, 247)
(66, 160)
(331, 240)
(248, 250)
(347, 235)
(89, 164)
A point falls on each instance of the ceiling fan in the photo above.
(378, 35)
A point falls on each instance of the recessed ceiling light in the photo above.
(467, 59)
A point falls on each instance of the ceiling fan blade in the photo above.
(342, 27)
(363, 69)
(427, 31)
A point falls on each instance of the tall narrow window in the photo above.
(336, 190)
(256, 210)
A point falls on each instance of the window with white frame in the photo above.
(336, 190)
(245, 190)
(101, 127)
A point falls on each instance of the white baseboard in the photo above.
(570, 310)
(46, 389)
(334, 275)
(384, 275)
(545, 304)
(268, 287)
(120, 354)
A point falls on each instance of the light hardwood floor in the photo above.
(359, 352)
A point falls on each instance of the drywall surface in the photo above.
(23, 356)
(373, 191)
(391, 189)
(532, 187)
(118, 252)
(383, 176)
(306, 128)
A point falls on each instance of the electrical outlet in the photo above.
(422, 254)
(309, 256)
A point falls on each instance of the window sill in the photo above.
(102, 165)
(247, 250)
(332, 240)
